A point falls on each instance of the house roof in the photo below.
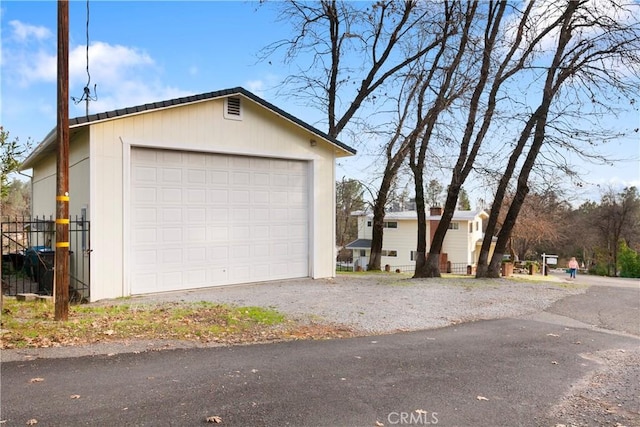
(413, 215)
(359, 244)
(48, 143)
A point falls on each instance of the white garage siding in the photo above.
(201, 220)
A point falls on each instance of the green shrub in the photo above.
(629, 261)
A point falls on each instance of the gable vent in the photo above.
(233, 108)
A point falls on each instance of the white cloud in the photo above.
(256, 86)
(108, 64)
(262, 86)
(128, 93)
(25, 32)
(124, 76)
(38, 67)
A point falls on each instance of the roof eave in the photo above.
(35, 154)
(340, 149)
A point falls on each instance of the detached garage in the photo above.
(213, 189)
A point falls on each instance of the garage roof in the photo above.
(48, 144)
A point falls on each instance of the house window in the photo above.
(454, 226)
(363, 252)
(477, 225)
(389, 253)
(414, 255)
(470, 227)
(232, 108)
(387, 224)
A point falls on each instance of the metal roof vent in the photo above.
(232, 108)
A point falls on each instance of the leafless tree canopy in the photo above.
(509, 88)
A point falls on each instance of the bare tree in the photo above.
(503, 56)
(433, 193)
(330, 31)
(588, 43)
(616, 217)
(349, 198)
(450, 86)
(387, 38)
(542, 220)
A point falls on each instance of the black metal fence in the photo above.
(449, 267)
(28, 257)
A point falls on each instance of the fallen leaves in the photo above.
(74, 396)
(214, 419)
(32, 421)
(27, 326)
(481, 398)
(36, 380)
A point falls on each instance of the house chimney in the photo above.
(433, 224)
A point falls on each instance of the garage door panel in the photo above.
(148, 215)
(197, 176)
(259, 197)
(171, 215)
(171, 256)
(145, 194)
(196, 196)
(203, 219)
(197, 215)
(171, 176)
(144, 236)
(260, 179)
(171, 196)
(240, 215)
(171, 157)
(218, 178)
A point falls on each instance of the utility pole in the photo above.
(62, 168)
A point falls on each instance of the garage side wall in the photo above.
(43, 180)
(199, 127)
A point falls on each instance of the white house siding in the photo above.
(43, 182)
(456, 243)
(43, 196)
(364, 232)
(459, 245)
(197, 127)
(402, 239)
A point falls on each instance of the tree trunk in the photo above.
(421, 246)
(482, 269)
(377, 235)
(378, 218)
(432, 266)
(551, 87)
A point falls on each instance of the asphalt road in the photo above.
(509, 372)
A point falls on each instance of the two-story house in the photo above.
(461, 246)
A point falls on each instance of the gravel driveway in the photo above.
(385, 303)
(367, 304)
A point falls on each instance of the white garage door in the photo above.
(201, 220)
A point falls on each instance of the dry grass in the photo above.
(31, 324)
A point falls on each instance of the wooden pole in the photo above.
(62, 168)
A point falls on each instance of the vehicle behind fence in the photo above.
(28, 257)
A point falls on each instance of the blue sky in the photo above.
(150, 51)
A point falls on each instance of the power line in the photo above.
(86, 95)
